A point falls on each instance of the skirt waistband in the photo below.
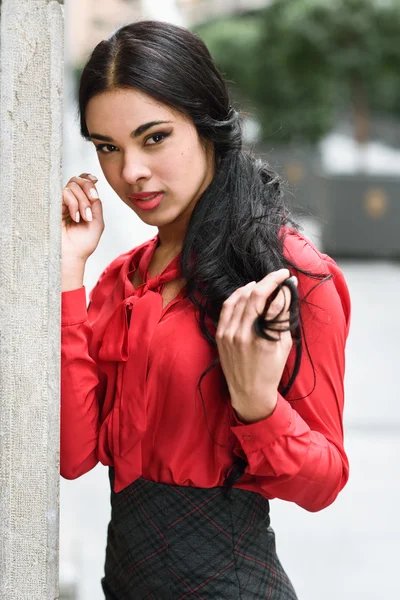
(192, 493)
(175, 542)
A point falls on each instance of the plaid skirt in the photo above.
(185, 543)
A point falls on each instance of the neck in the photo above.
(170, 242)
(171, 236)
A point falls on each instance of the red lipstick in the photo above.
(146, 200)
(143, 195)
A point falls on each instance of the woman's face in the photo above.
(151, 156)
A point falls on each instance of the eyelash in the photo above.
(100, 147)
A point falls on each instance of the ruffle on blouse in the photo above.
(126, 340)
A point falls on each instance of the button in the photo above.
(246, 438)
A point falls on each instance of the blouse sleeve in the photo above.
(82, 390)
(79, 404)
(297, 453)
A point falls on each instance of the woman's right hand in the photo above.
(82, 218)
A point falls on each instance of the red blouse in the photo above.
(129, 397)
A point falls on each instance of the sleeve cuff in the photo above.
(255, 436)
(73, 306)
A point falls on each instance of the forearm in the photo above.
(291, 461)
(79, 380)
(72, 274)
(318, 482)
(249, 411)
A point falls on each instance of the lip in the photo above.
(147, 204)
(143, 195)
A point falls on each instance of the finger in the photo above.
(267, 287)
(88, 176)
(233, 327)
(97, 209)
(259, 296)
(280, 304)
(278, 316)
(83, 202)
(279, 310)
(88, 187)
(278, 277)
(227, 310)
(289, 287)
(71, 202)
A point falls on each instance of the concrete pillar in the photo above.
(31, 67)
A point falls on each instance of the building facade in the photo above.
(90, 21)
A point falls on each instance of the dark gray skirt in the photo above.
(177, 542)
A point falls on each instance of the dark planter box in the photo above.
(361, 215)
(297, 165)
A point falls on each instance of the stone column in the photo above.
(31, 76)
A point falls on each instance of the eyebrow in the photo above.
(136, 133)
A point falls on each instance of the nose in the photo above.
(134, 168)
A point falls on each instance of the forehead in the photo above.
(123, 105)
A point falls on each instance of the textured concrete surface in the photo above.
(31, 73)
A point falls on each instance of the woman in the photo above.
(191, 374)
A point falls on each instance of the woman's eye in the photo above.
(156, 138)
(105, 148)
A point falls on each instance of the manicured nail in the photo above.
(88, 214)
(77, 217)
(94, 194)
(92, 177)
(295, 280)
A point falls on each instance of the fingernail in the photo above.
(89, 214)
(92, 177)
(77, 217)
(94, 194)
(296, 281)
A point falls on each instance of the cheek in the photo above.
(111, 173)
(185, 166)
(171, 170)
(197, 160)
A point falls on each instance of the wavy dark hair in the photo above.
(234, 233)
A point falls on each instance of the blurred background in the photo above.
(318, 83)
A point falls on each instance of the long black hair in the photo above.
(234, 233)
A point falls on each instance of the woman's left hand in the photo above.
(253, 366)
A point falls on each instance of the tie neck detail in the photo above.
(126, 340)
(172, 270)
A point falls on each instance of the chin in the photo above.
(157, 219)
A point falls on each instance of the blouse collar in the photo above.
(171, 271)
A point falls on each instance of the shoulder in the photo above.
(301, 251)
(329, 287)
